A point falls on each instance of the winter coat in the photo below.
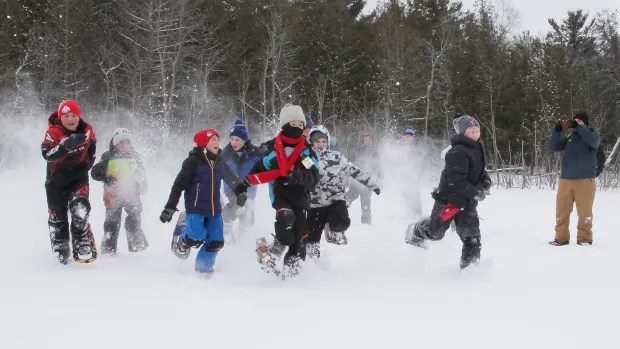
(200, 179)
(464, 172)
(241, 162)
(66, 167)
(122, 174)
(579, 149)
(334, 170)
(279, 189)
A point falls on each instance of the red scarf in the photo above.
(285, 164)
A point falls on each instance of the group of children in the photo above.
(307, 182)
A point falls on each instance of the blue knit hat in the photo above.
(410, 131)
(309, 123)
(239, 130)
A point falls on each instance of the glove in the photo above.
(559, 127)
(166, 215)
(481, 195)
(377, 191)
(485, 184)
(241, 199)
(242, 187)
(73, 141)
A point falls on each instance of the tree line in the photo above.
(184, 64)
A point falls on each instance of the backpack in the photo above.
(600, 159)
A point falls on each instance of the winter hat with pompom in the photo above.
(463, 122)
(239, 130)
(309, 123)
(202, 137)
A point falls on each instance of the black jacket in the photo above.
(464, 173)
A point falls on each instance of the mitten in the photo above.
(242, 187)
(241, 199)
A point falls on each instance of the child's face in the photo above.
(70, 121)
(123, 146)
(214, 145)
(320, 144)
(472, 132)
(367, 140)
(408, 139)
(298, 124)
(236, 143)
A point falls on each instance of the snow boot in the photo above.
(292, 267)
(108, 245)
(584, 243)
(62, 251)
(137, 241)
(411, 237)
(558, 243)
(470, 252)
(336, 238)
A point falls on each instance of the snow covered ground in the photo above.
(377, 292)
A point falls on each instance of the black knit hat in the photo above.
(583, 116)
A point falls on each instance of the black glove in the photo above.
(481, 195)
(166, 215)
(377, 191)
(558, 127)
(241, 199)
(73, 141)
(242, 187)
(485, 184)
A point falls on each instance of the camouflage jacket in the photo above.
(334, 169)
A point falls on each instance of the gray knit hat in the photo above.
(463, 122)
(291, 113)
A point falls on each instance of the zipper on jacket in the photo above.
(197, 193)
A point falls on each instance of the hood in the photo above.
(322, 129)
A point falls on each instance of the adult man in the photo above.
(576, 179)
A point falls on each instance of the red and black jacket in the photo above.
(65, 167)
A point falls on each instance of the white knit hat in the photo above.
(291, 113)
(121, 134)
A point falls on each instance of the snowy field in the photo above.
(377, 292)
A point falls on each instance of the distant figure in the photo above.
(366, 156)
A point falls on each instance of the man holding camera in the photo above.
(576, 179)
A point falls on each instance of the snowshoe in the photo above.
(84, 249)
(137, 241)
(268, 255)
(558, 243)
(584, 243)
(470, 252)
(313, 250)
(179, 247)
(336, 237)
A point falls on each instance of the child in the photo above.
(69, 148)
(414, 158)
(200, 178)
(328, 205)
(291, 167)
(240, 155)
(366, 155)
(122, 172)
(462, 185)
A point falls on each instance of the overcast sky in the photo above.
(533, 14)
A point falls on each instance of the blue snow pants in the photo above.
(211, 231)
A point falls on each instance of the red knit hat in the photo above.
(202, 137)
(69, 106)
